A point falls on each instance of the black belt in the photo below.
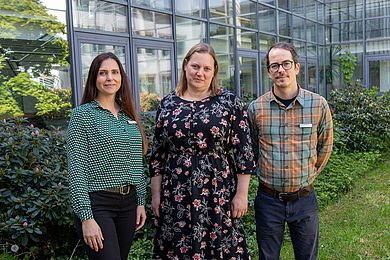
(286, 196)
(123, 190)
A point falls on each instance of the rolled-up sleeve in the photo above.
(241, 140)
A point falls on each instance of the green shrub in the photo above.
(149, 101)
(347, 62)
(249, 219)
(362, 117)
(142, 247)
(35, 210)
(342, 170)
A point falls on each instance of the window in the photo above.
(100, 15)
(267, 19)
(151, 24)
(246, 14)
(221, 11)
(164, 5)
(195, 8)
(221, 38)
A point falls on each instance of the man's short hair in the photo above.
(286, 46)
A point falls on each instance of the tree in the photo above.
(2, 60)
(8, 105)
(30, 42)
(48, 102)
(29, 36)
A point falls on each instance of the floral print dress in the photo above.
(190, 150)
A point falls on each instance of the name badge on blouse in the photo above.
(131, 122)
(305, 125)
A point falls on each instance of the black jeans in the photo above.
(116, 216)
(301, 216)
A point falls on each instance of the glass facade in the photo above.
(241, 31)
(362, 27)
(34, 69)
(152, 37)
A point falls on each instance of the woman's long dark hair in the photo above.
(123, 96)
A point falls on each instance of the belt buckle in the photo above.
(281, 194)
(124, 190)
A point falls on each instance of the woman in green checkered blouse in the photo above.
(105, 149)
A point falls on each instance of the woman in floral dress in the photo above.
(197, 199)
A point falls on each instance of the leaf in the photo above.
(24, 240)
(38, 231)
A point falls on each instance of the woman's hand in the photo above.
(156, 199)
(156, 204)
(141, 217)
(239, 206)
(92, 234)
(240, 201)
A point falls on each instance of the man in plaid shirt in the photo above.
(292, 133)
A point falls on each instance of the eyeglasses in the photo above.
(286, 65)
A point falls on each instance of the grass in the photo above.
(357, 226)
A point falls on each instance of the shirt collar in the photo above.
(299, 98)
(95, 104)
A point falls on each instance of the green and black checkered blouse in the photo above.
(103, 152)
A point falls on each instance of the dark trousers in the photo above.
(301, 217)
(116, 216)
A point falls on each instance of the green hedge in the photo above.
(340, 173)
(361, 117)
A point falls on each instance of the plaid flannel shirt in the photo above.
(291, 144)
